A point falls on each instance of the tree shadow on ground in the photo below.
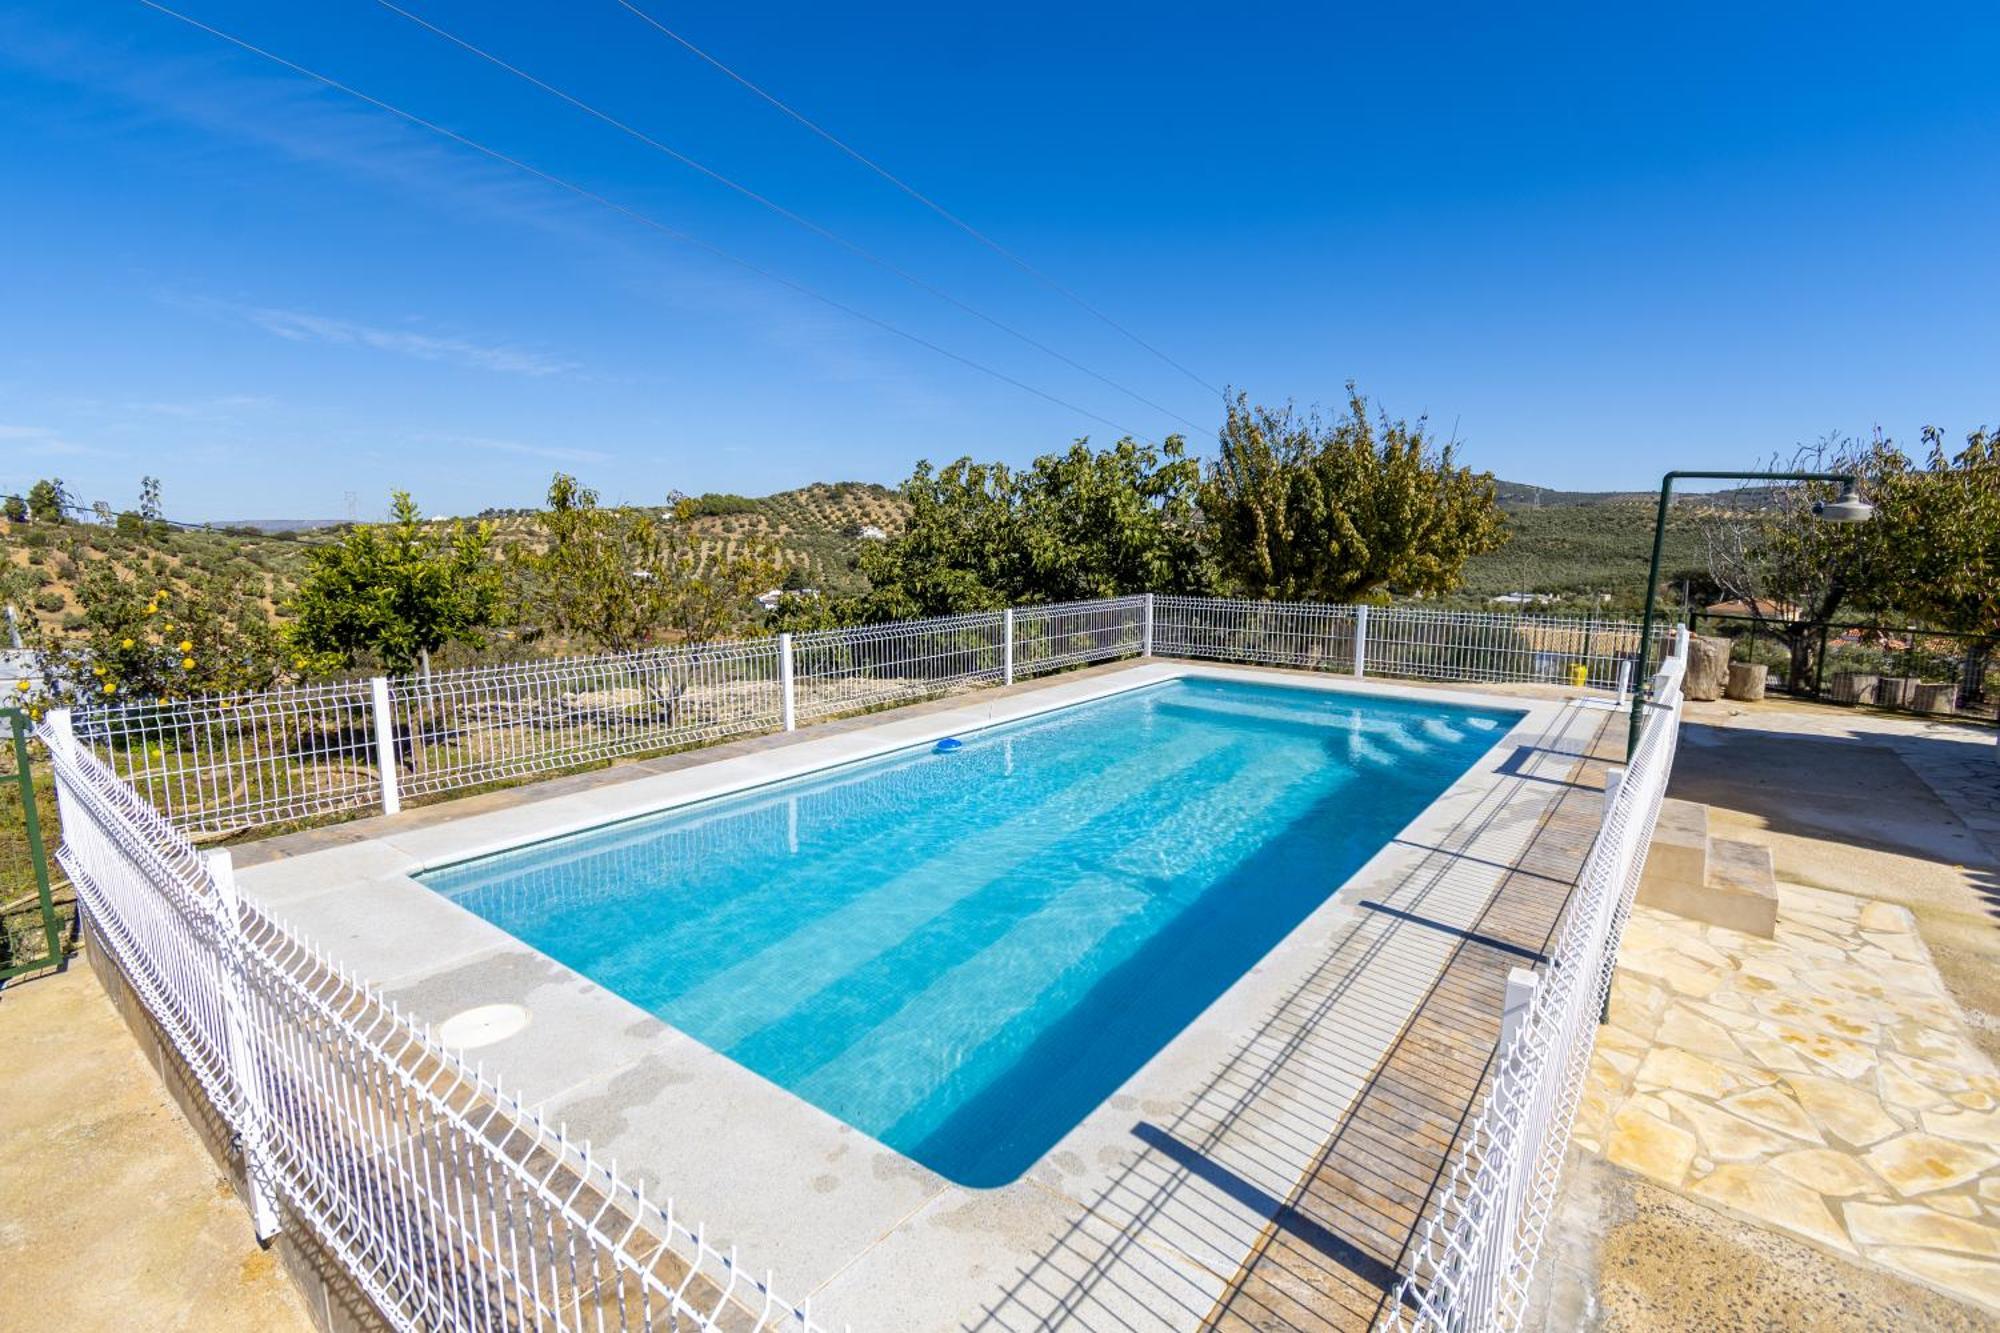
(1863, 790)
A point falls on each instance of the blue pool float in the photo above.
(950, 743)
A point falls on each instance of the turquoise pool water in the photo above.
(963, 954)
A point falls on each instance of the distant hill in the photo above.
(279, 524)
(817, 529)
(1588, 549)
(1525, 495)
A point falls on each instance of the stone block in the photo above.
(1854, 687)
(1746, 681)
(1716, 881)
(1707, 667)
(1679, 852)
(1928, 697)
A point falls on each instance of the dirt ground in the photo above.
(112, 1214)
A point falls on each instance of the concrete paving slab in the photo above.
(1016, 1260)
(808, 1192)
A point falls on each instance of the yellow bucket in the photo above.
(1579, 674)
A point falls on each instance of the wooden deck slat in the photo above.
(1373, 1179)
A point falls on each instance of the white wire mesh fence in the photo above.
(1479, 645)
(851, 670)
(1475, 1253)
(450, 1202)
(1067, 634)
(1411, 642)
(457, 729)
(224, 764)
(1301, 634)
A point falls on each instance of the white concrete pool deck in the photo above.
(1139, 1216)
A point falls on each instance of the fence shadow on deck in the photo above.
(1211, 1198)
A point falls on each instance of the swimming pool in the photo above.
(962, 954)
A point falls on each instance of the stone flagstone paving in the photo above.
(1820, 1083)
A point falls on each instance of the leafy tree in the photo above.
(48, 501)
(149, 499)
(143, 642)
(1305, 510)
(395, 592)
(619, 578)
(1078, 524)
(14, 509)
(1939, 534)
(1794, 569)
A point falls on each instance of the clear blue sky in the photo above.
(1598, 241)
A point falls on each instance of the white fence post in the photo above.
(1146, 635)
(1613, 779)
(1624, 680)
(1360, 640)
(787, 683)
(1681, 642)
(385, 745)
(242, 1069)
(1007, 646)
(1521, 984)
(61, 726)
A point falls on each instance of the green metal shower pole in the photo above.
(1653, 575)
(31, 828)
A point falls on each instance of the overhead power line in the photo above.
(817, 229)
(625, 210)
(921, 197)
(82, 510)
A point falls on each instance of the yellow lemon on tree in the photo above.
(152, 610)
(111, 687)
(124, 643)
(160, 596)
(187, 645)
(187, 664)
(97, 671)
(21, 685)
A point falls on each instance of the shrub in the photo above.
(50, 600)
(716, 503)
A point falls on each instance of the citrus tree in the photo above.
(394, 593)
(145, 642)
(1303, 509)
(1078, 524)
(617, 578)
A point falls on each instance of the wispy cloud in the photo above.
(303, 326)
(204, 409)
(40, 441)
(554, 453)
